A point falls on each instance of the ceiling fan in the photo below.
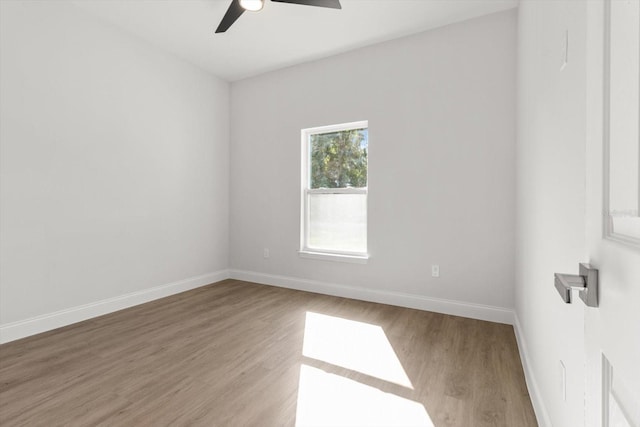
(238, 7)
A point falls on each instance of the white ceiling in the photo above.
(281, 34)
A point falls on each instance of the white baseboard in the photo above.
(456, 308)
(35, 325)
(534, 392)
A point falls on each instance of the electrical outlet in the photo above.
(265, 253)
(435, 270)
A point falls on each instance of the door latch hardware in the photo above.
(586, 283)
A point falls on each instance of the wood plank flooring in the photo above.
(231, 354)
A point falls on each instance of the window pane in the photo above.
(338, 222)
(339, 159)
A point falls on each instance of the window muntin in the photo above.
(334, 184)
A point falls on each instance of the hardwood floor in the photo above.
(231, 354)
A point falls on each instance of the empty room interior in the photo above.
(320, 213)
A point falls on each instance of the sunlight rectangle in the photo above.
(353, 345)
(330, 400)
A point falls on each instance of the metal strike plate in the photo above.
(586, 283)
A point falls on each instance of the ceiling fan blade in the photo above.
(233, 13)
(333, 4)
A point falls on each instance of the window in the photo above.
(334, 191)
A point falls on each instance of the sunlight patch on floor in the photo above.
(331, 400)
(357, 346)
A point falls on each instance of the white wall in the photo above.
(114, 163)
(441, 112)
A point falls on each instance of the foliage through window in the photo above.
(339, 159)
(334, 182)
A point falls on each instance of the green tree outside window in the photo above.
(339, 159)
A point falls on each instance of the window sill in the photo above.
(355, 259)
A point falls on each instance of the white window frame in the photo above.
(326, 254)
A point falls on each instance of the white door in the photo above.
(612, 331)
